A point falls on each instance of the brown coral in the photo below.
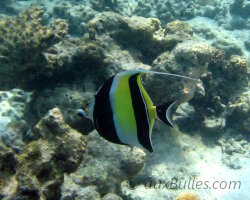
(23, 39)
(178, 26)
(237, 67)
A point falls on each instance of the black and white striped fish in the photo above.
(122, 111)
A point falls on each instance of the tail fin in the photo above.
(164, 111)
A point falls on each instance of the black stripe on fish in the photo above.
(140, 111)
(103, 115)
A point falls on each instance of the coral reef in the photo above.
(105, 28)
(106, 49)
(132, 32)
(213, 96)
(189, 58)
(114, 43)
(60, 157)
(23, 40)
(64, 50)
(40, 168)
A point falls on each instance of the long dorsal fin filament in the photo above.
(165, 73)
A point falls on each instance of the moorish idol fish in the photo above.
(122, 111)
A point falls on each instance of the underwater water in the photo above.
(54, 56)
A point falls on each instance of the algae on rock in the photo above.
(23, 40)
(41, 166)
